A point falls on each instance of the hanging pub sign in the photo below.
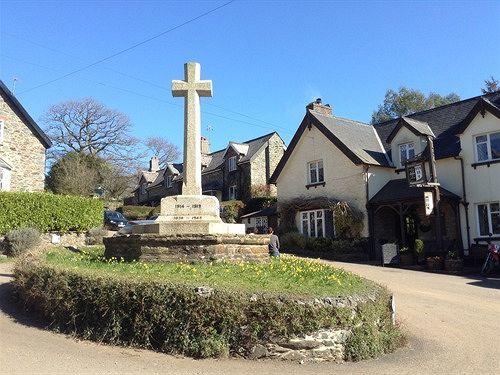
(428, 202)
(415, 172)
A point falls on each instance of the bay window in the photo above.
(313, 223)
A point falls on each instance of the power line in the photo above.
(130, 48)
(153, 84)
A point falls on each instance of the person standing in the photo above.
(274, 243)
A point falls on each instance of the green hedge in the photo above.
(48, 212)
(138, 212)
(175, 319)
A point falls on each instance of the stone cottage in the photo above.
(22, 146)
(364, 165)
(240, 171)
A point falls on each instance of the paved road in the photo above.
(453, 324)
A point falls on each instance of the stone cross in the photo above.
(192, 88)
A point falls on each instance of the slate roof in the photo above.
(269, 211)
(37, 131)
(161, 173)
(359, 137)
(444, 121)
(399, 190)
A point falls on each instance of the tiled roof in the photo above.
(399, 190)
(31, 123)
(444, 121)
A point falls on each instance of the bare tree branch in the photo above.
(164, 149)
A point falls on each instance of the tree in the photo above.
(407, 101)
(75, 174)
(164, 149)
(88, 126)
(491, 85)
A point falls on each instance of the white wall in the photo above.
(404, 135)
(483, 182)
(343, 179)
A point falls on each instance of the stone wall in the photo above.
(201, 248)
(22, 150)
(264, 163)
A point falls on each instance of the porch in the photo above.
(397, 215)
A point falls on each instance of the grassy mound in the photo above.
(203, 310)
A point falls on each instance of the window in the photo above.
(2, 130)
(261, 222)
(488, 217)
(488, 147)
(406, 152)
(315, 172)
(232, 192)
(168, 181)
(232, 163)
(4, 179)
(312, 223)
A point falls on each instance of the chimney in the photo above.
(154, 164)
(205, 146)
(323, 109)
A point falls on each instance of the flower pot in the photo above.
(406, 259)
(453, 265)
(434, 264)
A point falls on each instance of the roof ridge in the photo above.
(251, 140)
(441, 106)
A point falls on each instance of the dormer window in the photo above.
(232, 192)
(168, 181)
(406, 152)
(232, 163)
(315, 172)
(487, 147)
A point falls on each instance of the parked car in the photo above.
(127, 229)
(114, 220)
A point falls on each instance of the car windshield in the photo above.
(115, 216)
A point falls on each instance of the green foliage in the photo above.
(297, 241)
(171, 317)
(407, 101)
(419, 247)
(48, 212)
(259, 203)
(136, 212)
(21, 240)
(231, 210)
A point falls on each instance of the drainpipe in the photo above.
(464, 199)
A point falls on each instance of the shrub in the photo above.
(48, 212)
(231, 210)
(419, 247)
(136, 212)
(21, 240)
(174, 318)
(297, 241)
(95, 235)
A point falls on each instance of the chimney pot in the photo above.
(154, 164)
(324, 109)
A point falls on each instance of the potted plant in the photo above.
(419, 251)
(405, 257)
(453, 263)
(434, 263)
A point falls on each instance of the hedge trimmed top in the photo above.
(48, 212)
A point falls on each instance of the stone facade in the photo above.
(22, 148)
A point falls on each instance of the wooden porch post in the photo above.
(401, 223)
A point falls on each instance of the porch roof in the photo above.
(399, 191)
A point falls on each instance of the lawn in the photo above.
(286, 275)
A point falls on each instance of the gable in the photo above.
(21, 113)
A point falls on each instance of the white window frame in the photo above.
(2, 131)
(407, 147)
(488, 146)
(168, 181)
(315, 166)
(232, 163)
(4, 179)
(308, 219)
(232, 192)
(490, 223)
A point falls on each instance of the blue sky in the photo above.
(267, 59)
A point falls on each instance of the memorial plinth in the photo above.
(189, 226)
